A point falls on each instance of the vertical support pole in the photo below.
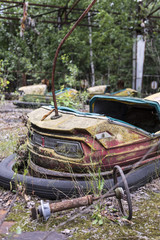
(91, 50)
(59, 20)
(134, 61)
(140, 62)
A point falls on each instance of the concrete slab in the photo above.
(4, 228)
(36, 236)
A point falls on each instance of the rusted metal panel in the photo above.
(105, 159)
(104, 142)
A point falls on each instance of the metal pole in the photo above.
(91, 50)
(58, 49)
(134, 61)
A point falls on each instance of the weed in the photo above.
(2, 99)
(97, 215)
(9, 143)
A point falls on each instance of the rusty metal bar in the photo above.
(72, 203)
(64, 9)
(73, 6)
(43, 14)
(67, 23)
(154, 17)
(45, 21)
(10, 18)
(58, 49)
(39, 5)
(76, 202)
(45, 209)
(149, 3)
(32, 4)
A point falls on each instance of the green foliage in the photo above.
(83, 96)
(9, 143)
(70, 79)
(18, 230)
(97, 215)
(97, 182)
(65, 99)
(3, 80)
(112, 33)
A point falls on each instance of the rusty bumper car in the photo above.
(69, 154)
(116, 131)
(37, 99)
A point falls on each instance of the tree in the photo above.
(113, 25)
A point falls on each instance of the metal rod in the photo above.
(153, 12)
(72, 203)
(54, 22)
(58, 49)
(73, 6)
(76, 202)
(40, 5)
(2, 9)
(10, 18)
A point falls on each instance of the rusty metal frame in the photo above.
(65, 10)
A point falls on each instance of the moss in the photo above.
(145, 224)
(21, 216)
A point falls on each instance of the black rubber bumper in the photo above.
(61, 188)
(22, 104)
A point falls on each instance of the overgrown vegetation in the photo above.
(9, 143)
(3, 76)
(113, 26)
(102, 222)
(145, 224)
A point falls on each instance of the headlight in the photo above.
(69, 149)
(66, 148)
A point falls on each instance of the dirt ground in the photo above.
(146, 201)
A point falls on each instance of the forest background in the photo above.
(103, 42)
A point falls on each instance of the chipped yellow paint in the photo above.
(119, 137)
(73, 137)
(120, 156)
(49, 151)
(93, 125)
(100, 90)
(131, 153)
(125, 92)
(83, 139)
(56, 157)
(68, 122)
(123, 135)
